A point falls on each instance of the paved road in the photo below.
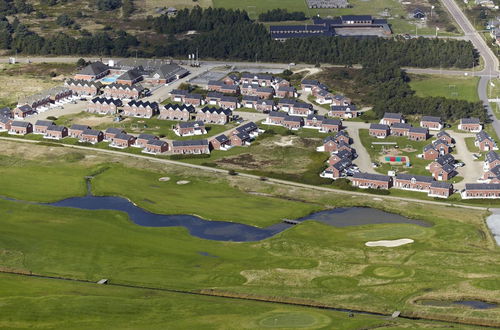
(472, 169)
(491, 63)
(363, 161)
(254, 177)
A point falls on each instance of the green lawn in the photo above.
(309, 261)
(455, 87)
(375, 151)
(211, 199)
(72, 305)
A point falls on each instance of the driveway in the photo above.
(472, 169)
(363, 161)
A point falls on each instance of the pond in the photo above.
(231, 231)
(474, 304)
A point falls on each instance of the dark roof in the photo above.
(370, 176)
(123, 136)
(449, 168)
(221, 138)
(130, 75)
(277, 114)
(186, 143)
(393, 115)
(445, 159)
(169, 71)
(91, 132)
(294, 118)
(18, 123)
(145, 104)
(188, 124)
(79, 127)
(431, 119)
(148, 137)
(343, 107)
(342, 165)
(215, 95)
(215, 83)
(356, 17)
(179, 92)
(420, 178)
(481, 136)
(265, 89)
(242, 136)
(492, 156)
(5, 112)
(441, 184)
(45, 123)
(94, 69)
(82, 82)
(137, 87)
(379, 126)
(401, 125)
(310, 82)
(156, 142)
(314, 116)
(230, 87)
(441, 133)
(262, 76)
(482, 186)
(330, 121)
(248, 127)
(56, 128)
(286, 101)
(180, 107)
(344, 154)
(116, 102)
(252, 98)
(193, 96)
(114, 130)
(470, 121)
(439, 141)
(341, 133)
(227, 112)
(302, 105)
(5, 120)
(419, 130)
(429, 147)
(229, 99)
(25, 108)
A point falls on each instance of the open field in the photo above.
(22, 80)
(456, 258)
(454, 87)
(73, 305)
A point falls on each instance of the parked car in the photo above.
(459, 164)
(375, 165)
(475, 156)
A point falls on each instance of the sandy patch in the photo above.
(285, 141)
(183, 182)
(164, 179)
(391, 243)
(93, 121)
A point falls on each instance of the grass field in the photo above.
(73, 305)
(22, 80)
(454, 87)
(414, 148)
(455, 258)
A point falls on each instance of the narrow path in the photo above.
(254, 177)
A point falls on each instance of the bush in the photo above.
(107, 5)
(51, 118)
(189, 156)
(64, 20)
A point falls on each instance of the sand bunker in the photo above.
(392, 243)
(165, 178)
(183, 182)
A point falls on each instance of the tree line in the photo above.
(390, 92)
(277, 15)
(230, 34)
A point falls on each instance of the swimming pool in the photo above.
(109, 80)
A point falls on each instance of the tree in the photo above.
(108, 5)
(64, 20)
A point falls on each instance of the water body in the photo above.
(493, 222)
(231, 231)
(474, 304)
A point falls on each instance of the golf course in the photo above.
(452, 259)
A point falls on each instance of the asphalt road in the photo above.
(491, 62)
